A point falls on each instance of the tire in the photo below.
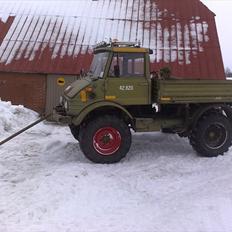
(75, 131)
(167, 131)
(212, 135)
(116, 135)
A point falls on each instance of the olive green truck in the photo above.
(120, 94)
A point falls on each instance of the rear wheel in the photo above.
(212, 135)
(106, 139)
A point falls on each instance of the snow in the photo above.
(4, 17)
(13, 117)
(73, 27)
(48, 185)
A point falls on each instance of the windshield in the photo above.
(98, 64)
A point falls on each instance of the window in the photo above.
(98, 64)
(127, 65)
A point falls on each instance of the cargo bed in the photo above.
(192, 91)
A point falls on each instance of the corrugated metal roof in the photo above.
(57, 36)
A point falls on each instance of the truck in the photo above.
(120, 94)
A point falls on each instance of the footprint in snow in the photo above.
(16, 181)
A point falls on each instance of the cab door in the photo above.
(126, 81)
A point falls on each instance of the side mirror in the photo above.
(101, 75)
(82, 73)
(116, 71)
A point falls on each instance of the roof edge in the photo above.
(207, 8)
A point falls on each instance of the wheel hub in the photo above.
(107, 141)
(215, 136)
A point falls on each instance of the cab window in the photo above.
(127, 65)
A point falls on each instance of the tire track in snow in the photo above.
(49, 179)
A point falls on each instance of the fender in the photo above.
(77, 120)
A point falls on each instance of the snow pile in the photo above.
(13, 118)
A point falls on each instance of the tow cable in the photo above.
(25, 129)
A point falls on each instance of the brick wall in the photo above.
(25, 89)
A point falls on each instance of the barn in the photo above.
(45, 44)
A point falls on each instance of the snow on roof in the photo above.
(67, 30)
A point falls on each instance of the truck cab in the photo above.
(119, 73)
(119, 93)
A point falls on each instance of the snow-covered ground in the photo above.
(46, 184)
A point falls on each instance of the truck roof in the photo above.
(120, 47)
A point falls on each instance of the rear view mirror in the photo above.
(101, 75)
(116, 71)
(82, 73)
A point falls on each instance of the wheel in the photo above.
(106, 139)
(75, 131)
(167, 131)
(212, 135)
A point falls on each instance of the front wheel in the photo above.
(212, 135)
(75, 131)
(106, 139)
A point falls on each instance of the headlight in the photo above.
(83, 96)
(66, 105)
(61, 100)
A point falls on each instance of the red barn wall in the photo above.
(25, 89)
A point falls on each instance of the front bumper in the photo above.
(59, 115)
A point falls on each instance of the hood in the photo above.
(76, 87)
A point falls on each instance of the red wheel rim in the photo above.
(107, 141)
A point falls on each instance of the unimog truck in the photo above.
(120, 94)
